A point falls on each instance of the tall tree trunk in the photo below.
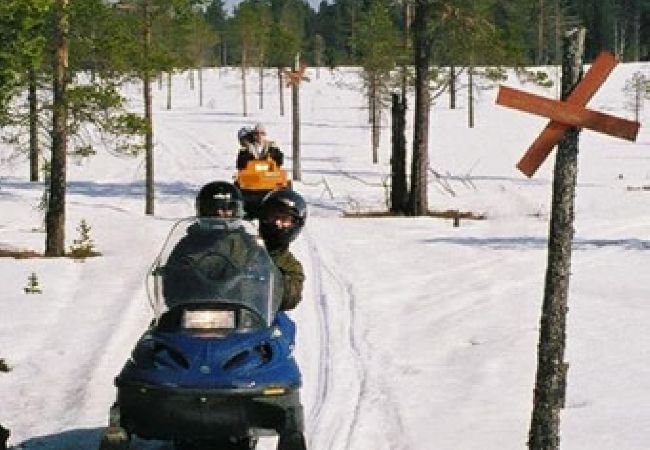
(636, 31)
(405, 44)
(295, 123)
(540, 34)
(470, 93)
(558, 33)
(370, 99)
(452, 86)
(148, 113)
(550, 383)
(34, 151)
(224, 54)
(639, 90)
(55, 217)
(398, 189)
(261, 77)
(190, 75)
(375, 119)
(281, 90)
(318, 53)
(200, 74)
(169, 90)
(243, 82)
(418, 202)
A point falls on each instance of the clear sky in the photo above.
(230, 3)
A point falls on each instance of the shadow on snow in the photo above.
(82, 439)
(95, 189)
(528, 243)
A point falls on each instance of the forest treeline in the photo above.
(63, 62)
(186, 33)
(528, 31)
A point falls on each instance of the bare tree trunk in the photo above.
(295, 122)
(243, 82)
(540, 34)
(622, 46)
(55, 216)
(148, 113)
(558, 33)
(169, 90)
(318, 53)
(261, 86)
(224, 54)
(200, 74)
(398, 188)
(34, 151)
(281, 90)
(452, 86)
(639, 90)
(550, 383)
(470, 93)
(374, 119)
(370, 101)
(405, 43)
(190, 75)
(636, 31)
(418, 202)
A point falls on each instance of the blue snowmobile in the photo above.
(215, 369)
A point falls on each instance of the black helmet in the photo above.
(219, 199)
(275, 205)
(244, 136)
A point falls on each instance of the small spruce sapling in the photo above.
(4, 367)
(83, 246)
(33, 286)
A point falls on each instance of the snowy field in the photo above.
(413, 334)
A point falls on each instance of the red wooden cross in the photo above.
(296, 76)
(567, 114)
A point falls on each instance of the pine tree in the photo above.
(33, 286)
(83, 246)
(422, 49)
(19, 20)
(215, 16)
(378, 45)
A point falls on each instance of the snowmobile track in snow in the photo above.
(332, 425)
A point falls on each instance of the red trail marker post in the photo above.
(294, 78)
(568, 117)
(567, 114)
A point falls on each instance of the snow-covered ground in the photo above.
(413, 334)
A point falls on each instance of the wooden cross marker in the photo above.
(294, 77)
(567, 114)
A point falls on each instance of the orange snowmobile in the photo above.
(258, 178)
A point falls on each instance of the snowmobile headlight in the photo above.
(261, 167)
(208, 319)
(274, 391)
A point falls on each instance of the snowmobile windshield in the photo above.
(215, 261)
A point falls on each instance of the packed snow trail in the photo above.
(338, 388)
